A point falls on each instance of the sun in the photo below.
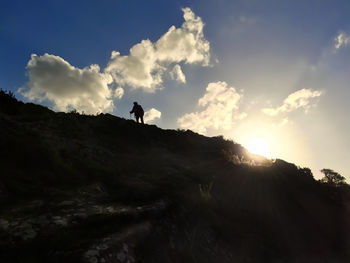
(259, 146)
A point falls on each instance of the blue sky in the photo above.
(271, 70)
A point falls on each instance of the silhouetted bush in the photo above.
(332, 178)
(7, 95)
(74, 111)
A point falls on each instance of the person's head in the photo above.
(135, 103)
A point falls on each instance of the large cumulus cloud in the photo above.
(220, 108)
(144, 67)
(67, 87)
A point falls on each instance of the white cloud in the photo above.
(152, 114)
(186, 43)
(144, 67)
(138, 70)
(67, 87)
(177, 74)
(220, 109)
(342, 40)
(119, 93)
(299, 99)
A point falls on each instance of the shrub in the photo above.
(332, 178)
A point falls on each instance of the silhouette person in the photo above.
(138, 112)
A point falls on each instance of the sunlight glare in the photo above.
(259, 146)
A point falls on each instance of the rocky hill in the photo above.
(82, 188)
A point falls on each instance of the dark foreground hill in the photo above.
(77, 188)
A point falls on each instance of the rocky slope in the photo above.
(78, 188)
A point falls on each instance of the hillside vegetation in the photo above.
(83, 188)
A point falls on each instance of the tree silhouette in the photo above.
(332, 177)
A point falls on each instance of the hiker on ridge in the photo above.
(138, 111)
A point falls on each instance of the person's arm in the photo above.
(133, 110)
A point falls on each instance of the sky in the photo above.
(274, 71)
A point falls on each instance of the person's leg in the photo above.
(137, 119)
(141, 119)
